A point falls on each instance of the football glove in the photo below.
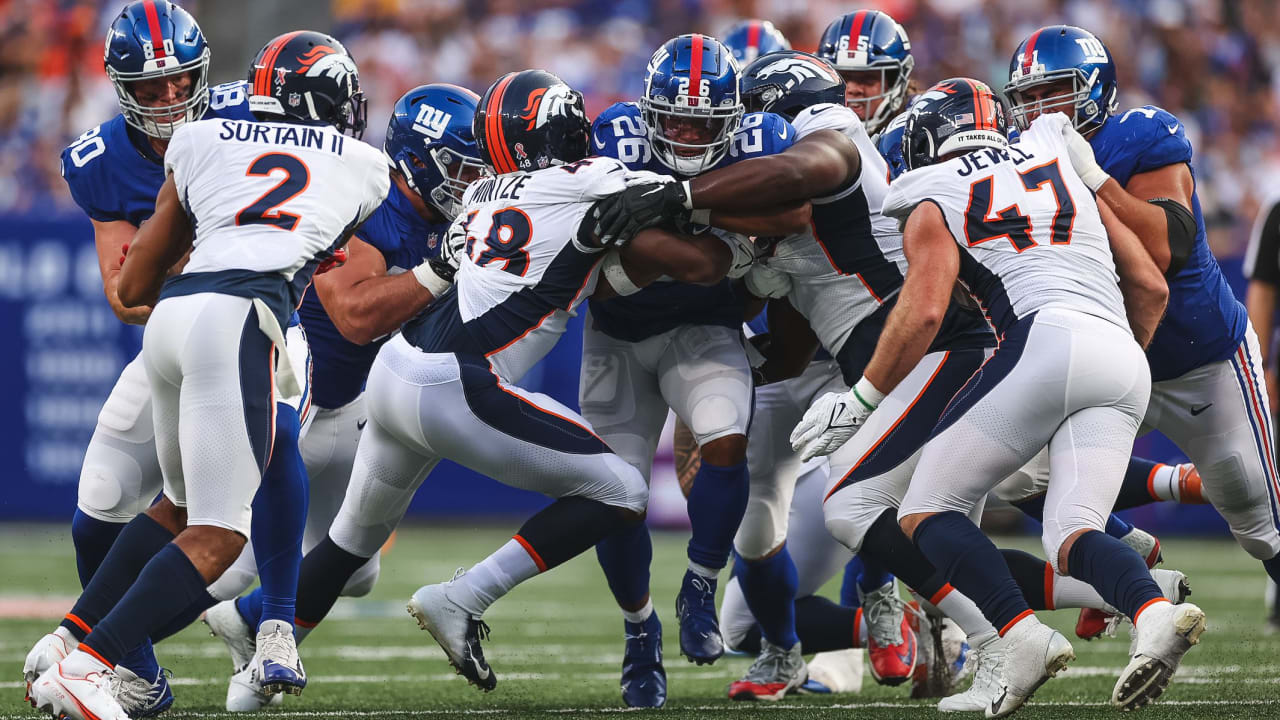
(766, 282)
(337, 259)
(454, 245)
(1082, 159)
(620, 216)
(833, 419)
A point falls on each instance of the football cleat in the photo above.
(988, 666)
(890, 643)
(77, 688)
(837, 671)
(226, 624)
(1033, 652)
(700, 639)
(455, 630)
(140, 697)
(49, 651)
(1165, 632)
(245, 693)
(276, 664)
(774, 673)
(943, 654)
(1093, 622)
(644, 681)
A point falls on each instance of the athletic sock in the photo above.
(874, 572)
(137, 543)
(717, 503)
(625, 557)
(250, 607)
(1118, 573)
(822, 625)
(769, 586)
(92, 539)
(1139, 485)
(849, 595)
(957, 606)
(1273, 569)
(1032, 507)
(167, 585)
(279, 515)
(639, 616)
(1034, 577)
(1116, 527)
(325, 571)
(493, 577)
(970, 562)
(184, 619)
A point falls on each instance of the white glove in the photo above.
(743, 249)
(1081, 154)
(833, 419)
(766, 282)
(455, 243)
(435, 275)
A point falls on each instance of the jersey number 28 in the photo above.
(265, 210)
(509, 232)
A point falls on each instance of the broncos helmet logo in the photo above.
(798, 69)
(546, 103)
(323, 60)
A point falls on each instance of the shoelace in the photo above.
(278, 647)
(481, 629)
(880, 612)
(767, 666)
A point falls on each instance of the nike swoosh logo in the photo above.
(657, 189)
(481, 672)
(1196, 411)
(599, 143)
(361, 423)
(782, 133)
(1173, 129)
(995, 704)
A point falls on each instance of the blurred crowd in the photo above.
(1214, 63)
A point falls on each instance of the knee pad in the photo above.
(237, 578)
(764, 525)
(362, 581)
(851, 512)
(114, 486)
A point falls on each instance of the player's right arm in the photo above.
(365, 302)
(1146, 294)
(694, 259)
(157, 246)
(109, 239)
(816, 165)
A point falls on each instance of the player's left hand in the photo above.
(454, 245)
(338, 259)
(828, 424)
(620, 216)
(1081, 154)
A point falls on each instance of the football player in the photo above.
(1208, 392)
(532, 254)
(240, 197)
(676, 345)
(749, 39)
(158, 61)
(1066, 333)
(392, 273)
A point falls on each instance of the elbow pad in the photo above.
(1182, 233)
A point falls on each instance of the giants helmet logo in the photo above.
(546, 103)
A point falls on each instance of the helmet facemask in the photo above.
(160, 121)
(690, 158)
(1078, 104)
(894, 79)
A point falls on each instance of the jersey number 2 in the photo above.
(980, 225)
(264, 210)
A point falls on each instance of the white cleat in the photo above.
(49, 651)
(245, 693)
(77, 688)
(1165, 632)
(456, 631)
(1173, 585)
(276, 665)
(836, 671)
(987, 665)
(226, 624)
(1033, 653)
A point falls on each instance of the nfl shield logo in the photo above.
(294, 99)
(433, 240)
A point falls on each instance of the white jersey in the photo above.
(524, 272)
(849, 261)
(269, 200)
(1029, 231)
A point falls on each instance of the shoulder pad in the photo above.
(1142, 139)
(229, 100)
(619, 132)
(826, 116)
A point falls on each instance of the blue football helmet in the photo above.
(788, 81)
(1064, 53)
(152, 39)
(870, 40)
(957, 115)
(430, 141)
(749, 39)
(889, 143)
(690, 103)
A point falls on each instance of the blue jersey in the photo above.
(114, 174)
(1204, 322)
(339, 366)
(620, 132)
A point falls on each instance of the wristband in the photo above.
(867, 394)
(688, 195)
(428, 279)
(617, 276)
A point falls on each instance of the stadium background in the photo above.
(1213, 63)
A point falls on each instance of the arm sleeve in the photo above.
(1262, 259)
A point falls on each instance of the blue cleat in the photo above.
(644, 681)
(140, 697)
(700, 639)
(276, 664)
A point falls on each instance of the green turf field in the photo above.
(557, 641)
